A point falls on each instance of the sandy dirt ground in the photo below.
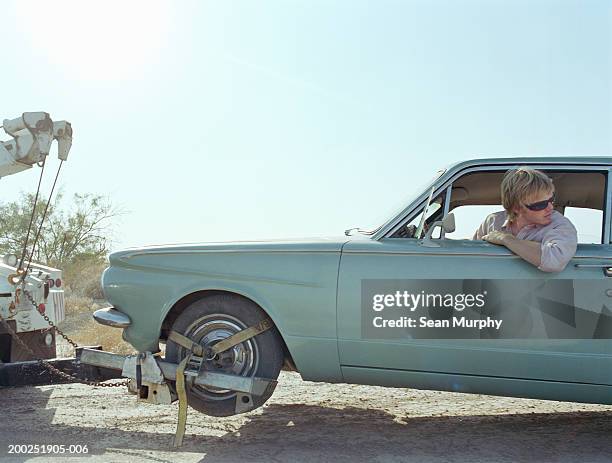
(307, 422)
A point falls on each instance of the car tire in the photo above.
(216, 317)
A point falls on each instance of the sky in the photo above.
(244, 120)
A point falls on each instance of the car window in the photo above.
(469, 218)
(588, 223)
(580, 196)
(434, 212)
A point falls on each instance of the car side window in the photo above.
(588, 223)
(468, 218)
(580, 196)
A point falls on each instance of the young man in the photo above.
(529, 226)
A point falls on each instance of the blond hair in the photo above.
(519, 184)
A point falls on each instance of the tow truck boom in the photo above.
(32, 135)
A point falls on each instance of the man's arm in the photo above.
(558, 246)
(531, 251)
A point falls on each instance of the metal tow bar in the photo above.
(195, 350)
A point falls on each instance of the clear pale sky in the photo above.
(211, 121)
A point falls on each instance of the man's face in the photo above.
(537, 217)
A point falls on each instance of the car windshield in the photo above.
(388, 213)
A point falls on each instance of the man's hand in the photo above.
(498, 237)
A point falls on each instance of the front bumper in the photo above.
(112, 317)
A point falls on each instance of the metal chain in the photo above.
(48, 320)
(47, 365)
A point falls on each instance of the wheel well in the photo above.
(184, 302)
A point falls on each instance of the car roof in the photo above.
(572, 160)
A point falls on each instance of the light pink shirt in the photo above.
(559, 238)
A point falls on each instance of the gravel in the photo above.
(306, 422)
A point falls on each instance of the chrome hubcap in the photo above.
(241, 360)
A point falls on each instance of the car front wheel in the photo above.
(212, 319)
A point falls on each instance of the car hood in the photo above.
(331, 244)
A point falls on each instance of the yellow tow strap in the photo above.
(198, 350)
(242, 336)
(182, 398)
(187, 343)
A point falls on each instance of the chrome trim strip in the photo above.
(450, 254)
(129, 255)
(109, 316)
(592, 265)
(401, 253)
(447, 199)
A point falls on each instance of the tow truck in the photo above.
(32, 294)
(30, 291)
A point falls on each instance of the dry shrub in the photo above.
(85, 331)
(82, 276)
(92, 333)
(83, 295)
(74, 305)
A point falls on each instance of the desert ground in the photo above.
(307, 422)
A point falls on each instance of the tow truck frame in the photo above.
(34, 373)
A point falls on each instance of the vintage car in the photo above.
(413, 303)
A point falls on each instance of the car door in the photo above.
(556, 326)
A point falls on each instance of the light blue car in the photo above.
(414, 303)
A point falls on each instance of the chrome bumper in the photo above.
(112, 317)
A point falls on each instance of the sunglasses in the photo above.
(540, 205)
